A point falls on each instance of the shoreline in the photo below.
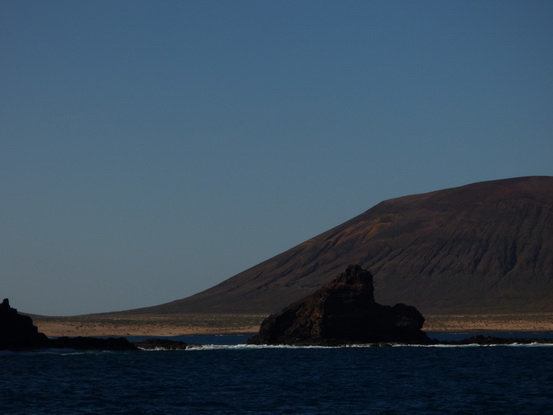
(220, 324)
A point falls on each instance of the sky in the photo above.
(152, 149)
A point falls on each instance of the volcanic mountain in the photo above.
(481, 248)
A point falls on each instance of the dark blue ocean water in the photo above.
(237, 379)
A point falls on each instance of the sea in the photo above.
(224, 376)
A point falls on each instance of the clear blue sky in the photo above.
(152, 149)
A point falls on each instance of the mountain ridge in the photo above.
(485, 247)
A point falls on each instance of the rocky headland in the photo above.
(17, 332)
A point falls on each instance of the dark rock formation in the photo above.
(91, 343)
(17, 332)
(343, 312)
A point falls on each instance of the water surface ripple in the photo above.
(282, 380)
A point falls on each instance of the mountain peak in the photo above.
(485, 247)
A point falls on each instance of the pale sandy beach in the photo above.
(178, 325)
(232, 324)
(536, 322)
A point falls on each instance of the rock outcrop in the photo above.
(91, 343)
(340, 313)
(17, 332)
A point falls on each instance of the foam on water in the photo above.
(206, 347)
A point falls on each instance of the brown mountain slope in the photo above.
(482, 248)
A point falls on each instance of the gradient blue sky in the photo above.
(152, 149)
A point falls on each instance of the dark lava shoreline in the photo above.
(17, 333)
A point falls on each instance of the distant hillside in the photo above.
(482, 248)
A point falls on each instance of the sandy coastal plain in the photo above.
(150, 325)
(210, 324)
